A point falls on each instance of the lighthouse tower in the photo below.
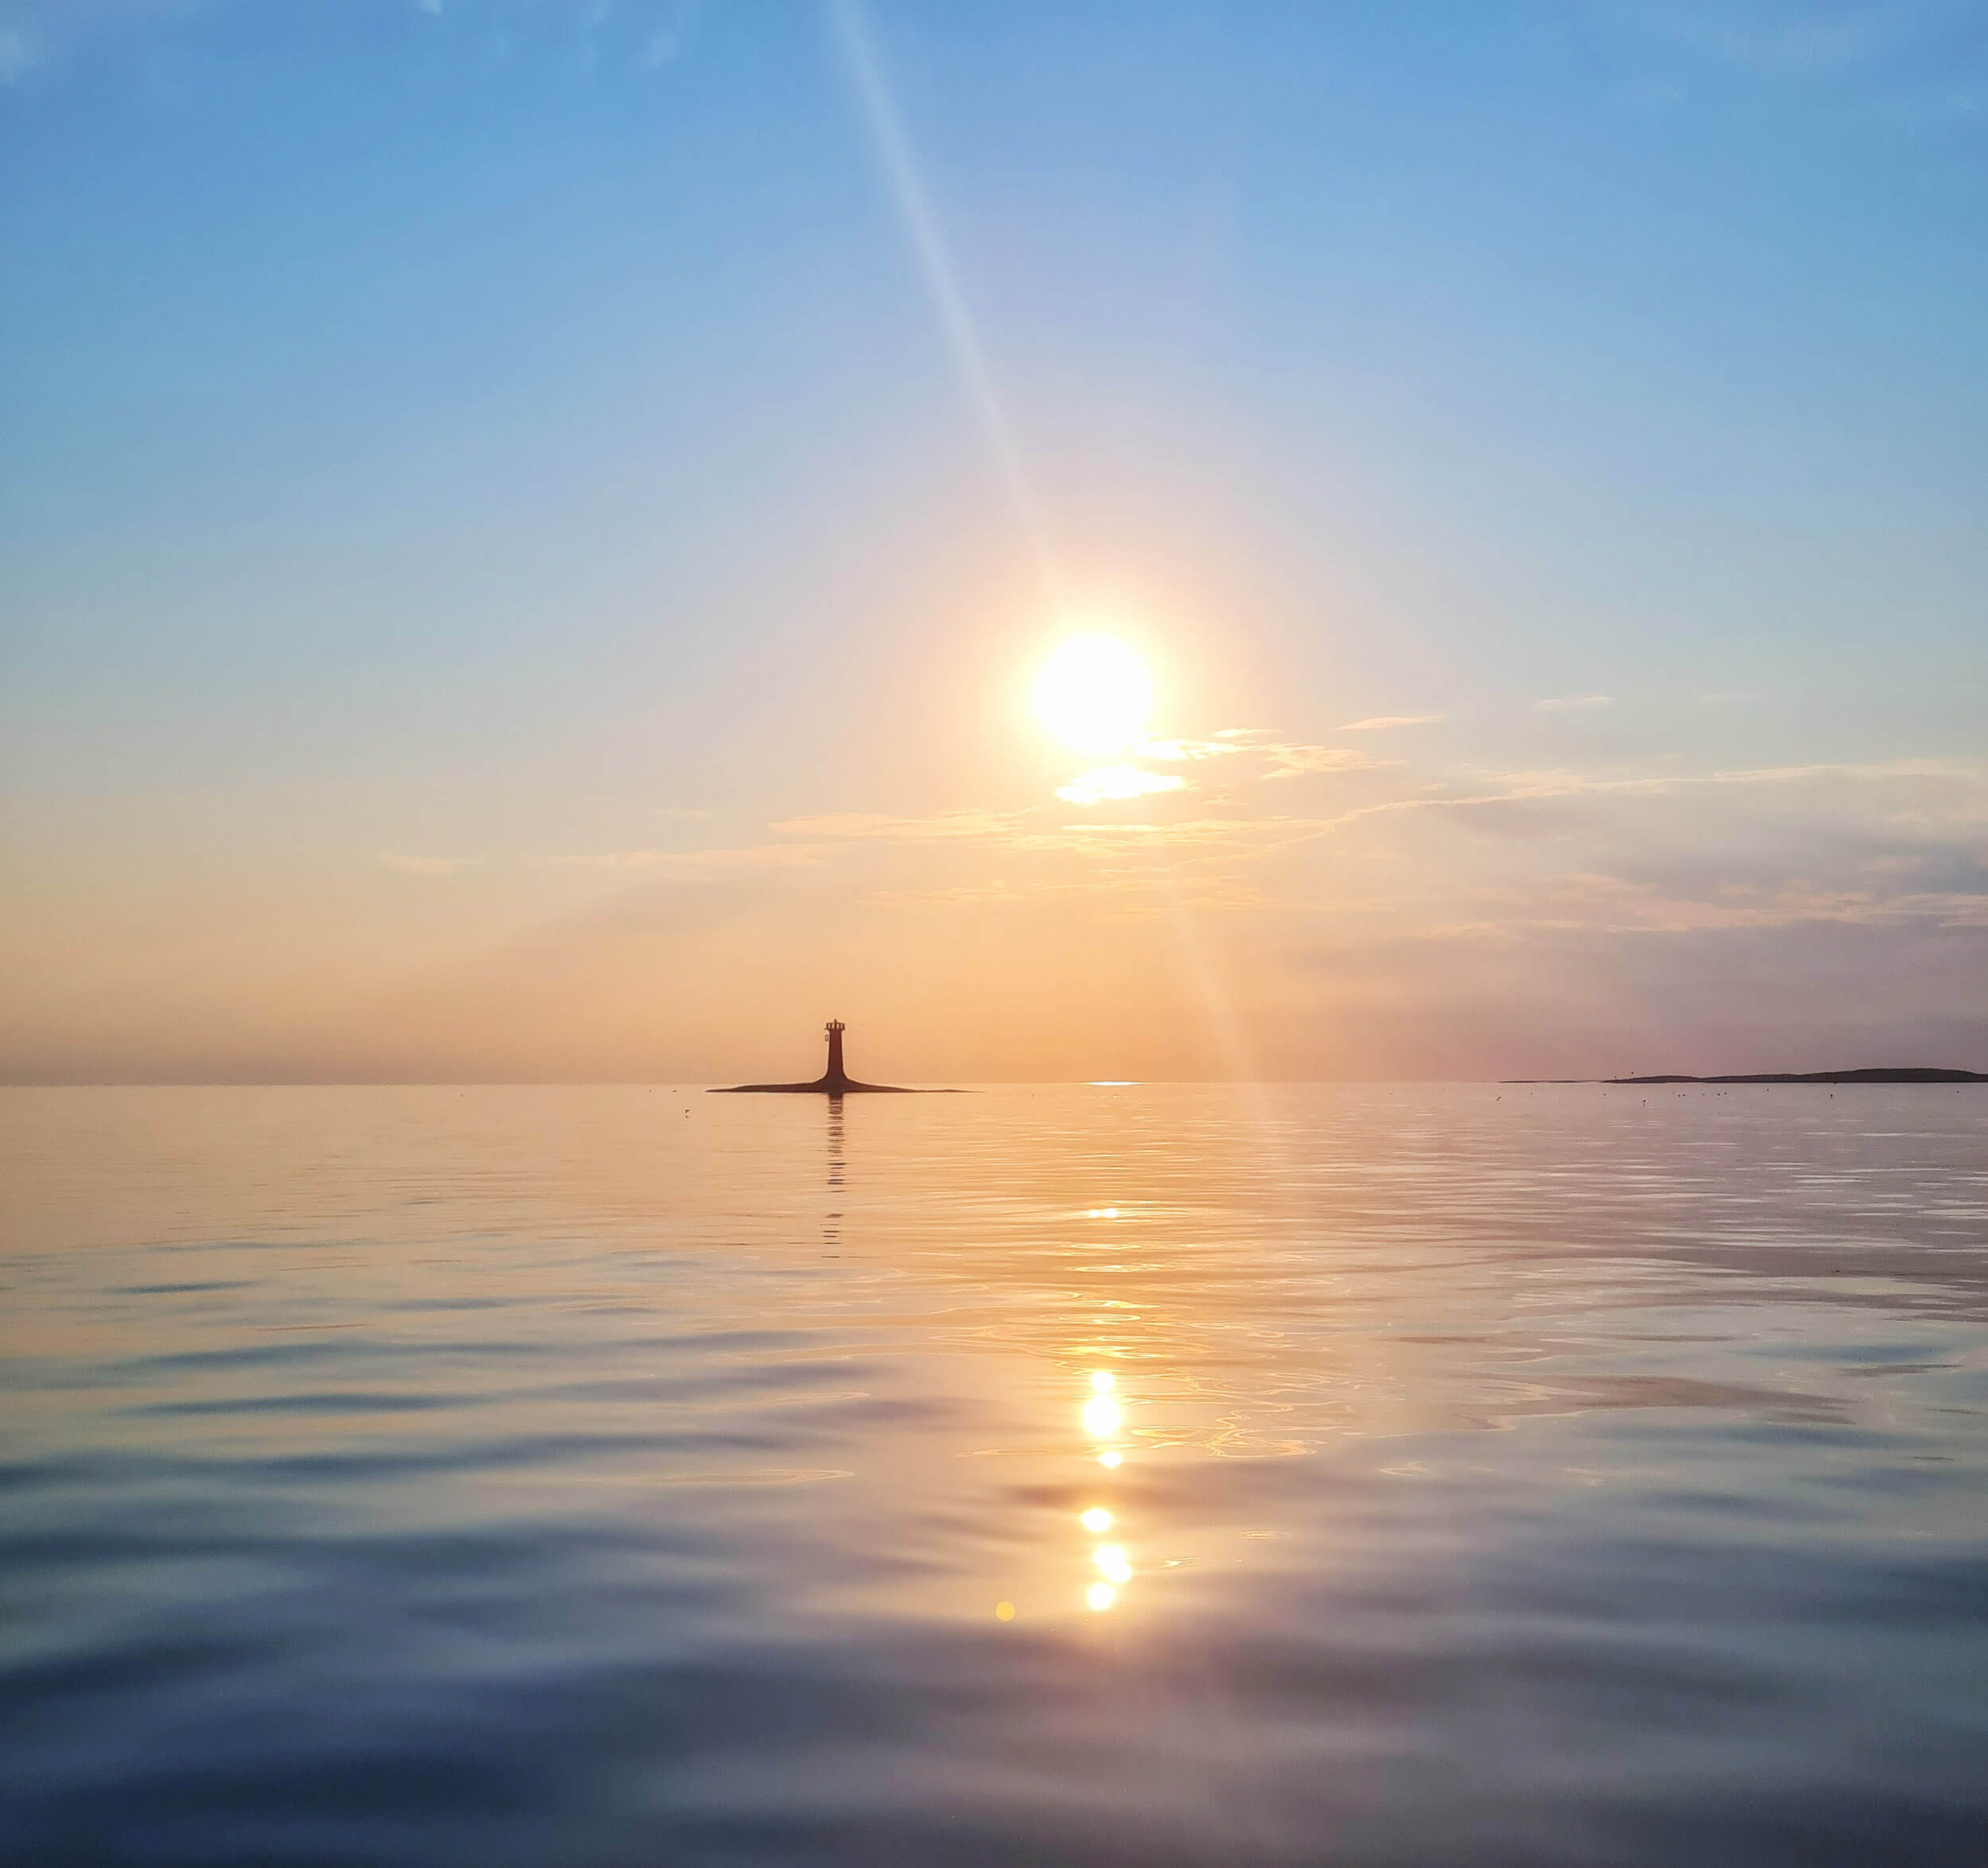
(835, 1081)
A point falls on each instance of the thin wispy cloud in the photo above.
(1804, 38)
(692, 863)
(19, 54)
(40, 36)
(1381, 723)
(1187, 751)
(1214, 835)
(1295, 761)
(1115, 783)
(695, 864)
(407, 865)
(1285, 759)
(940, 826)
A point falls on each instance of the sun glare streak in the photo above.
(1100, 1596)
(893, 153)
(1219, 1014)
(1097, 1520)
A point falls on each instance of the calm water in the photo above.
(631, 1476)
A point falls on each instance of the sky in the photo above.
(528, 530)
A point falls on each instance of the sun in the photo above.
(1095, 694)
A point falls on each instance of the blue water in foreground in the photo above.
(629, 1476)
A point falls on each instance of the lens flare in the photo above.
(1100, 1596)
(1113, 1563)
(1097, 1519)
(1100, 1417)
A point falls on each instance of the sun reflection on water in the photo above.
(1102, 1418)
(1112, 1563)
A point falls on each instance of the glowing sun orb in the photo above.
(1094, 694)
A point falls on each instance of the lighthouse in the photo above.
(835, 1081)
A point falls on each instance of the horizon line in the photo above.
(1645, 1079)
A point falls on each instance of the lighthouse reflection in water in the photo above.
(1102, 1475)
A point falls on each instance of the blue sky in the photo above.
(470, 477)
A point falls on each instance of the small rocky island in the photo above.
(834, 1081)
(1915, 1073)
(1912, 1075)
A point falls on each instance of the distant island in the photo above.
(834, 1081)
(1915, 1074)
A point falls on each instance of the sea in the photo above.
(1101, 1474)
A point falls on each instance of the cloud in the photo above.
(40, 33)
(1214, 836)
(1902, 842)
(1291, 761)
(1801, 38)
(692, 865)
(19, 55)
(849, 826)
(1116, 783)
(1288, 759)
(1184, 751)
(1384, 722)
(428, 865)
(644, 35)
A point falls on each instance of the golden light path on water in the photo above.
(1102, 1418)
